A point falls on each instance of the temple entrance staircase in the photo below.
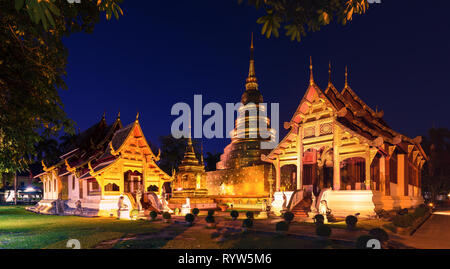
(300, 203)
(302, 208)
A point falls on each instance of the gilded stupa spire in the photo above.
(252, 81)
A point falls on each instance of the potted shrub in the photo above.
(189, 218)
(223, 207)
(282, 227)
(153, 215)
(323, 231)
(351, 222)
(166, 216)
(250, 215)
(134, 214)
(210, 221)
(195, 211)
(288, 216)
(319, 219)
(234, 214)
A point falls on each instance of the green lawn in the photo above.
(20, 229)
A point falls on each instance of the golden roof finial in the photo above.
(311, 76)
(346, 76)
(104, 114)
(329, 72)
(118, 115)
(137, 116)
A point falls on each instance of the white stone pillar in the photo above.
(336, 159)
(368, 179)
(278, 174)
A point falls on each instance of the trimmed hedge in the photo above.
(403, 221)
(250, 214)
(351, 221)
(189, 218)
(153, 215)
(319, 219)
(234, 214)
(166, 215)
(288, 216)
(195, 211)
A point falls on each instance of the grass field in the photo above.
(20, 229)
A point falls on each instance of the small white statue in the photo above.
(323, 208)
(138, 199)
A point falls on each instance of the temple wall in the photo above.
(245, 181)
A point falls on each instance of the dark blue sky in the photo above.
(164, 52)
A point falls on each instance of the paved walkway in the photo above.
(433, 234)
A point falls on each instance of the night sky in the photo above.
(164, 52)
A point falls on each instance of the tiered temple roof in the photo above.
(352, 113)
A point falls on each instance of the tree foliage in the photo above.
(301, 16)
(436, 174)
(33, 62)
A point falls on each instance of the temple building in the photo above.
(242, 178)
(345, 153)
(106, 163)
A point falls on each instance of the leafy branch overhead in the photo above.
(47, 11)
(33, 60)
(301, 16)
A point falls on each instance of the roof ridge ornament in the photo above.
(346, 77)
(137, 116)
(311, 76)
(329, 73)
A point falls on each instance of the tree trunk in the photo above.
(15, 188)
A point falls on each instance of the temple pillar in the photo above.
(336, 160)
(277, 174)
(300, 158)
(402, 178)
(383, 175)
(368, 182)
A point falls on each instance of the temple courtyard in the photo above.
(20, 229)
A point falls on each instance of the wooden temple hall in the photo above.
(343, 151)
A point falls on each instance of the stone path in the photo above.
(433, 234)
